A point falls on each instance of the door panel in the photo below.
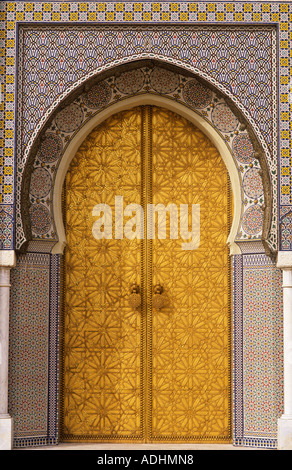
(190, 338)
(102, 338)
(146, 374)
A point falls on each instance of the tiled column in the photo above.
(7, 261)
(285, 422)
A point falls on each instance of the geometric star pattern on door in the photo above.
(146, 374)
(102, 389)
(191, 337)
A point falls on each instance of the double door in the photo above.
(146, 313)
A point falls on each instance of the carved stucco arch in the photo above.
(176, 101)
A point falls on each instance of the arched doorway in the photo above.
(144, 373)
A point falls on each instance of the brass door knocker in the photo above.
(135, 296)
(159, 299)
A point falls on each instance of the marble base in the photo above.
(6, 432)
(285, 433)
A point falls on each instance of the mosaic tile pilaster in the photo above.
(33, 358)
(238, 403)
(258, 350)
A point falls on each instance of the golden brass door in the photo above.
(146, 374)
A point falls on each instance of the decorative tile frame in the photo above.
(278, 13)
(246, 14)
(6, 226)
(116, 38)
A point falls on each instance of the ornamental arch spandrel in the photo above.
(142, 83)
